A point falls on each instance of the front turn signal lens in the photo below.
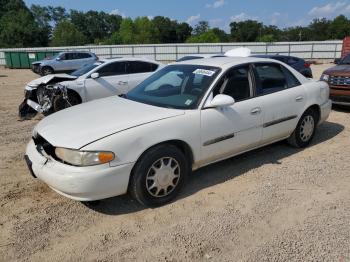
(105, 157)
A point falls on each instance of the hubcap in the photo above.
(163, 177)
(47, 71)
(307, 128)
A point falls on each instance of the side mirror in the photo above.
(58, 59)
(337, 61)
(95, 75)
(220, 101)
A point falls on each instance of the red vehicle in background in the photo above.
(338, 77)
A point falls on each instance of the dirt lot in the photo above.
(274, 204)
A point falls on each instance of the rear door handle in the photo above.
(255, 111)
(122, 83)
(299, 98)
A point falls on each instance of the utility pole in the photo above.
(300, 34)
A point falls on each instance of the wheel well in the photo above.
(74, 93)
(317, 110)
(183, 146)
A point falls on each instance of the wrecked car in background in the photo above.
(64, 62)
(104, 78)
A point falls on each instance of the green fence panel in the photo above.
(24, 60)
(8, 60)
(16, 62)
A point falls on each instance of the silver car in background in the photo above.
(64, 62)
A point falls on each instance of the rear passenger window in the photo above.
(270, 78)
(136, 67)
(84, 55)
(236, 84)
(292, 81)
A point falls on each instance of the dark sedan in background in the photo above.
(298, 64)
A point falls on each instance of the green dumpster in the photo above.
(25, 59)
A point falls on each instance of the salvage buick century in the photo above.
(185, 116)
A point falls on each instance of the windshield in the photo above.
(345, 60)
(85, 69)
(175, 86)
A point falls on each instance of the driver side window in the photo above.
(236, 83)
(63, 56)
(113, 69)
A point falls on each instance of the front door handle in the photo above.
(299, 98)
(255, 111)
(122, 83)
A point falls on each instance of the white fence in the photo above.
(171, 52)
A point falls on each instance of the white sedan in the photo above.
(104, 78)
(185, 116)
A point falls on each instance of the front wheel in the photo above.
(46, 70)
(59, 103)
(159, 175)
(305, 130)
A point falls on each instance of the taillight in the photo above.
(307, 65)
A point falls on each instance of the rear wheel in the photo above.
(305, 130)
(159, 175)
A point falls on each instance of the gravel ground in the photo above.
(273, 204)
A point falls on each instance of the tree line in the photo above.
(41, 26)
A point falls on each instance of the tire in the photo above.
(59, 103)
(46, 70)
(159, 175)
(305, 130)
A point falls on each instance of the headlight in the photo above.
(324, 77)
(83, 158)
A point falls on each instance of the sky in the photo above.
(219, 13)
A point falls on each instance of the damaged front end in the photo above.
(44, 99)
(45, 95)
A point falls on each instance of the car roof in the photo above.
(275, 56)
(76, 52)
(208, 55)
(109, 60)
(225, 62)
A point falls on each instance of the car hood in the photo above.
(80, 125)
(339, 69)
(39, 62)
(49, 78)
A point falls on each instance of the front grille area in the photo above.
(42, 144)
(339, 80)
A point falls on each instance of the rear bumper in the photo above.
(325, 111)
(79, 183)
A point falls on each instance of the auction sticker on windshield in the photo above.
(204, 72)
